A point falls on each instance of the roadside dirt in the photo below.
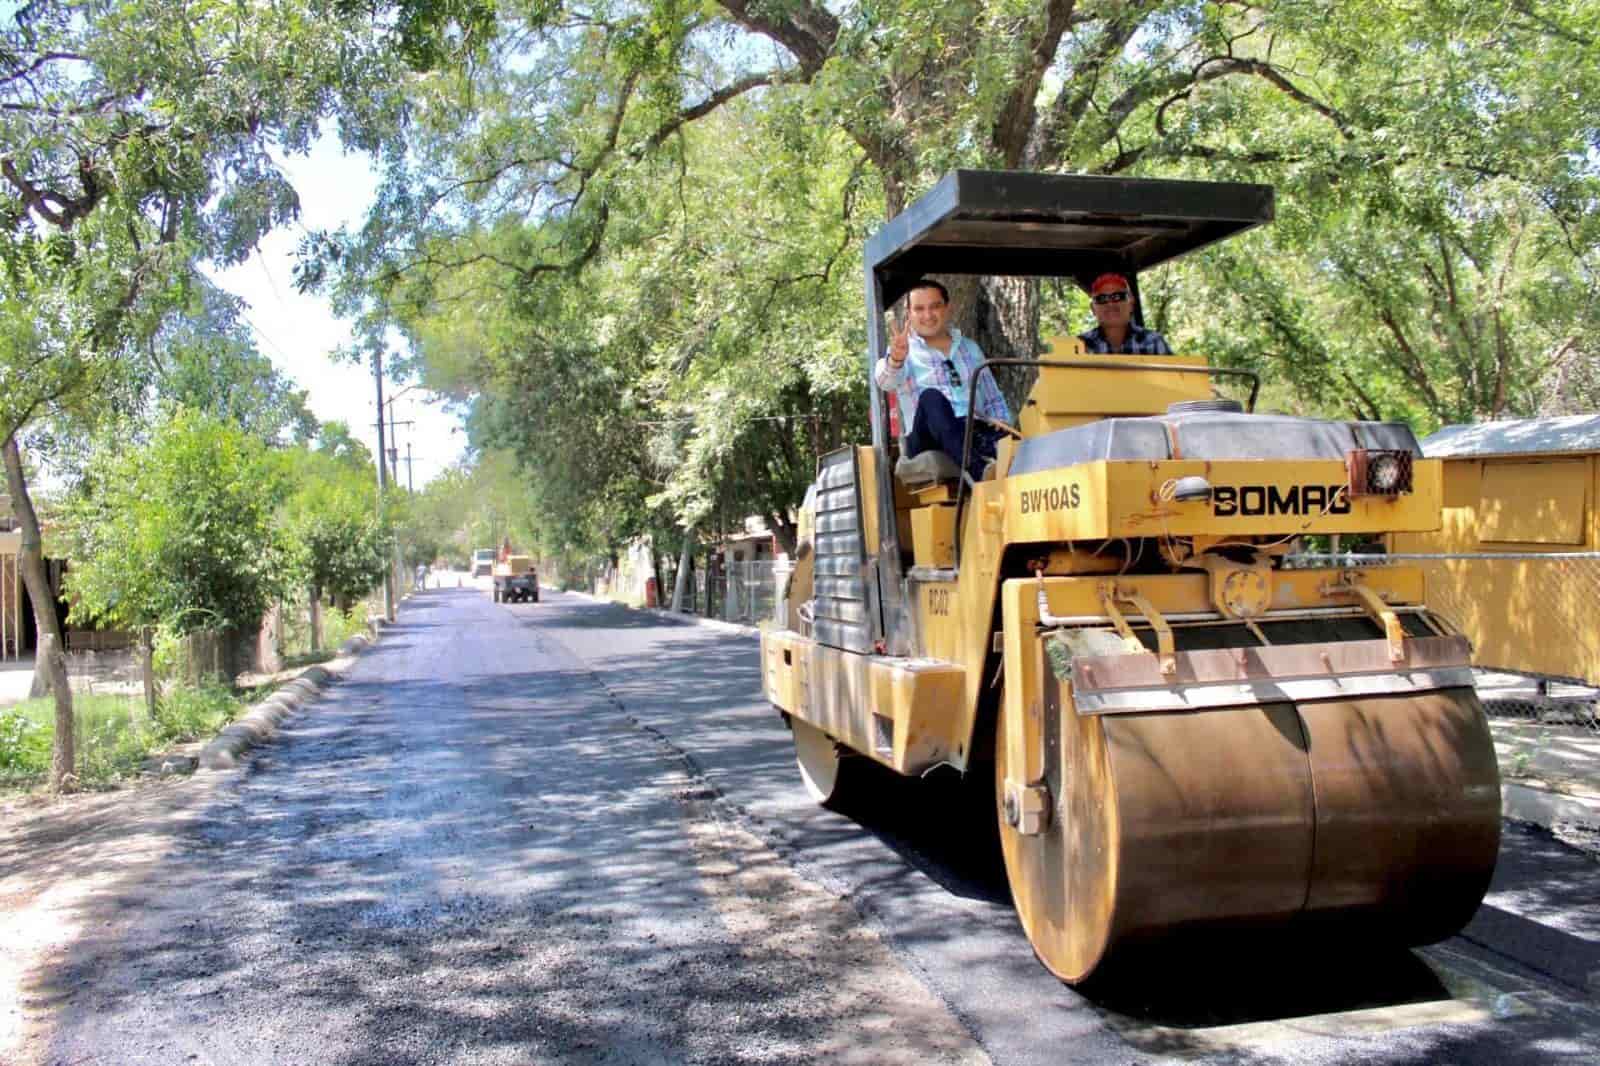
(70, 850)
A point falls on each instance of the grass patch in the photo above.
(113, 734)
(340, 626)
(337, 626)
(308, 658)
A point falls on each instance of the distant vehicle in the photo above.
(482, 562)
(516, 579)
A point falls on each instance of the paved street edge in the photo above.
(684, 617)
(258, 724)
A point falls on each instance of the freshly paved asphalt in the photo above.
(911, 866)
(479, 848)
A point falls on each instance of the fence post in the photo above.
(781, 569)
(316, 618)
(147, 670)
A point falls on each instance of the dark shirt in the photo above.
(1140, 341)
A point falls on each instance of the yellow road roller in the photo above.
(1186, 731)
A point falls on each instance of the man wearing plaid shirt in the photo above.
(929, 368)
(1111, 298)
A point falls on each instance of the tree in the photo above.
(337, 539)
(138, 138)
(1441, 324)
(335, 440)
(651, 210)
(205, 359)
(180, 532)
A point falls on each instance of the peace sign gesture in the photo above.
(900, 342)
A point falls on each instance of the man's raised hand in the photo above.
(900, 342)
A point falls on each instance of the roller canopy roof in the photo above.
(1056, 225)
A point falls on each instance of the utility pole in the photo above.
(396, 568)
(394, 444)
(409, 486)
(383, 481)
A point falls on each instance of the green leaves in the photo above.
(204, 525)
(179, 532)
(337, 540)
(629, 231)
(138, 139)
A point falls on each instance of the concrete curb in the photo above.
(1543, 807)
(261, 720)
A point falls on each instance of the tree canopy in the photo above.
(629, 230)
(627, 233)
(179, 532)
(335, 538)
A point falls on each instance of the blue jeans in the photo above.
(937, 427)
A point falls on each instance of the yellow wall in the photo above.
(1523, 615)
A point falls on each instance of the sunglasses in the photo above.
(955, 375)
(1110, 297)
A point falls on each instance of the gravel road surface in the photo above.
(571, 832)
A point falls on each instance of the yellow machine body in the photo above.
(1271, 782)
(1049, 512)
(1501, 513)
(1183, 731)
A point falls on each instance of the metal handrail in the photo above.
(1070, 364)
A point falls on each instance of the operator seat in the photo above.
(921, 471)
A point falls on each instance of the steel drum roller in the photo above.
(1381, 812)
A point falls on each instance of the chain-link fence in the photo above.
(1530, 617)
(742, 592)
(750, 592)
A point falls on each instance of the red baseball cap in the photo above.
(1109, 281)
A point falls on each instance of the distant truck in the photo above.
(516, 580)
(482, 562)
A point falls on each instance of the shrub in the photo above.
(24, 743)
(179, 531)
(340, 626)
(188, 712)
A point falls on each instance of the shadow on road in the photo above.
(492, 865)
(1238, 977)
(942, 829)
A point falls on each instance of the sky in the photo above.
(299, 333)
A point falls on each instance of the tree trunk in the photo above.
(784, 531)
(50, 672)
(147, 669)
(712, 568)
(316, 618)
(1006, 326)
(685, 562)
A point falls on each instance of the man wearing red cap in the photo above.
(1111, 297)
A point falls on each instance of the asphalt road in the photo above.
(570, 832)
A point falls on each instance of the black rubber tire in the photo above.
(835, 780)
